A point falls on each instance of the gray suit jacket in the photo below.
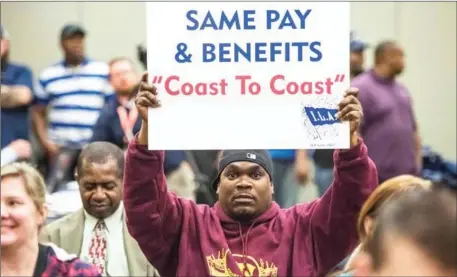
(67, 233)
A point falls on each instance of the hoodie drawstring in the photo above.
(244, 244)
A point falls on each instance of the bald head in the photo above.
(389, 55)
(382, 48)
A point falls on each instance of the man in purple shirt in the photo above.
(389, 126)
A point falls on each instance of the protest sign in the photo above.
(248, 75)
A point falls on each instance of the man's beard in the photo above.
(125, 92)
(74, 59)
(244, 216)
(397, 72)
(129, 92)
(356, 71)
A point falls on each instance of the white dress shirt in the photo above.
(8, 156)
(116, 257)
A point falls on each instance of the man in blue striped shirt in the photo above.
(69, 96)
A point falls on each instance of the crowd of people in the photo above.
(215, 212)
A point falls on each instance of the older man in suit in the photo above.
(98, 233)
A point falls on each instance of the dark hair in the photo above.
(426, 217)
(100, 152)
(381, 48)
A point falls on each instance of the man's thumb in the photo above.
(144, 78)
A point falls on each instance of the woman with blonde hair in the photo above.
(370, 210)
(23, 212)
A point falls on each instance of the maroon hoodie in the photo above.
(181, 238)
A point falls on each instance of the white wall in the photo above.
(427, 31)
(34, 29)
(114, 29)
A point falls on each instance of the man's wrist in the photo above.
(142, 137)
(354, 141)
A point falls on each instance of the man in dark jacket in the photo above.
(119, 120)
(245, 233)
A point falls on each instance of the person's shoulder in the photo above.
(52, 71)
(366, 85)
(19, 67)
(64, 264)
(97, 63)
(204, 209)
(111, 104)
(59, 223)
(402, 87)
(97, 67)
(299, 211)
(362, 80)
(109, 109)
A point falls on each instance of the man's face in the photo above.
(395, 59)
(356, 62)
(100, 186)
(74, 46)
(4, 47)
(123, 77)
(245, 190)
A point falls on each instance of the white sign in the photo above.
(248, 75)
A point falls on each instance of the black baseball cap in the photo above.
(71, 30)
(260, 157)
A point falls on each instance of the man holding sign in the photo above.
(245, 233)
(271, 65)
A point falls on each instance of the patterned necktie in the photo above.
(97, 248)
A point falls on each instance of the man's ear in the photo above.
(272, 188)
(218, 186)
